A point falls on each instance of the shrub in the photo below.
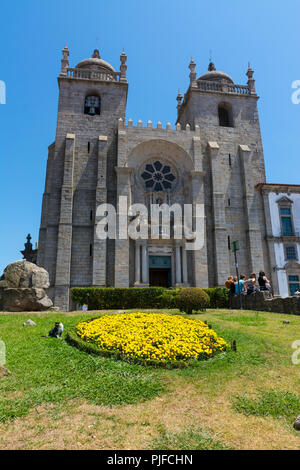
(142, 297)
(191, 299)
(219, 297)
(124, 298)
(168, 298)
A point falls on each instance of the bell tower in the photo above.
(233, 160)
(80, 174)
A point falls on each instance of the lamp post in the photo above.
(235, 249)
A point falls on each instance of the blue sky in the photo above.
(159, 37)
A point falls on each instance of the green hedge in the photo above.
(219, 297)
(139, 297)
(124, 298)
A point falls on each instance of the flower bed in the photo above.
(157, 338)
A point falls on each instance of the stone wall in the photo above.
(260, 302)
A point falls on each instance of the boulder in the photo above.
(25, 299)
(22, 289)
(29, 323)
(23, 274)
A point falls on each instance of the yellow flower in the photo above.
(149, 336)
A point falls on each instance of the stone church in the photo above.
(212, 156)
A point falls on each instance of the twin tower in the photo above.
(213, 156)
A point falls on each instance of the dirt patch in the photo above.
(4, 372)
(85, 426)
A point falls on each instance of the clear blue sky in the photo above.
(159, 37)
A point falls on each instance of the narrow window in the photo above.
(286, 222)
(225, 115)
(290, 252)
(92, 105)
(229, 202)
(89, 147)
(229, 160)
(91, 250)
(91, 215)
(229, 242)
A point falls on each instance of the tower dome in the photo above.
(215, 75)
(95, 63)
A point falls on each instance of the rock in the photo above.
(297, 424)
(29, 323)
(25, 299)
(22, 288)
(3, 372)
(23, 274)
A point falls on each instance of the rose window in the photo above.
(158, 177)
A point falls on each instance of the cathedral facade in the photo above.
(212, 157)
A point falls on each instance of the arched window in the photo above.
(225, 115)
(92, 105)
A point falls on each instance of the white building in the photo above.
(282, 214)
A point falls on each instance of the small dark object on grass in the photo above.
(233, 345)
(286, 322)
(57, 331)
(297, 424)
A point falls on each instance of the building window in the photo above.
(229, 243)
(290, 252)
(158, 177)
(286, 221)
(293, 284)
(92, 105)
(225, 115)
(229, 160)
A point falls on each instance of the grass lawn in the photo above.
(58, 397)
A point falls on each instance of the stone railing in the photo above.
(260, 302)
(149, 127)
(206, 85)
(85, 74)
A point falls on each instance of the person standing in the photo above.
(240, 286)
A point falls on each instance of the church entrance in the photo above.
(160, 271)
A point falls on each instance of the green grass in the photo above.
(48, 370)
(247, 320)
(277, 404)
(190, 439)
(51, 371)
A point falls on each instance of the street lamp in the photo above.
(235, 248)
